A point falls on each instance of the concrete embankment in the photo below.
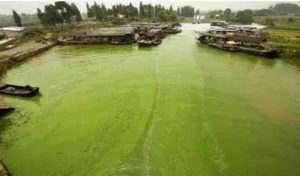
(19, 54)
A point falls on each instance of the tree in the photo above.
(187, 11)
(76, 12)
(269, 22)
(52, 16)
(173, 16)
(17, 18)
(41, 17)
(142, 11)
(244, 16)
(178, 10)
(291, 20)
(162, 16)
(90, 13)
(227, 15)
(285, 8)
(170, 9)
(65, 10)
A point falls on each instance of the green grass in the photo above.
(281, 22)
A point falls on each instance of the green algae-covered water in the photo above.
(181, 108)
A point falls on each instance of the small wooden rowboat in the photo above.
(5, 110)
(24, 91)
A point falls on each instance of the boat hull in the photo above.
(15, 90)
(5, 110)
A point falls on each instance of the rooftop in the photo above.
(113, 31)
(13, 28)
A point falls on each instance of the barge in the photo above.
(234, 39)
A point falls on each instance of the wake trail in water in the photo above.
(153, 119)
(215, 154)
(139, 162)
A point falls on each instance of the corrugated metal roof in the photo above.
(117, 31)
(113, 31)
(14, 28)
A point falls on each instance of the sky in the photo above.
(25, 6)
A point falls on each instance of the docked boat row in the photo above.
(152, 35)
(145, 34)
(16, 90)
(238, 39)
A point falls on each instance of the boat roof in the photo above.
(102, 32)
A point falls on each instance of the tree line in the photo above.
(62, 12)
(279, 9)
(246, 16)
(242, 16)
(159, 12)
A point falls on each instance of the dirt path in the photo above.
(20, 49)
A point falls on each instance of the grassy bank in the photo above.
(283, 32)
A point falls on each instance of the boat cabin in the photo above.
(114, 35)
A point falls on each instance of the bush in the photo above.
(269, 22)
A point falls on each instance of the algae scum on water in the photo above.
(177, 109)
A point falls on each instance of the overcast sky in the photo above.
(31, 6)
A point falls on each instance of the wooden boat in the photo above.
(144, 42)
(156, 41)
(270, 53)
(224, 47)
(24, 91)
(5, 110)
(173, 31)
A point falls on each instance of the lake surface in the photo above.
(181, 108)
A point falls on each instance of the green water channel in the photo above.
(179, 109)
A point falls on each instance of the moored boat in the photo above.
(251, 41)
(270, 53)
(225, 47)
(15, 90)
(5, 110)
(144, 42)
(156, 41)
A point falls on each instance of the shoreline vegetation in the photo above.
(45, 27)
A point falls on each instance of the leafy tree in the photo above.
(187, 11)
(170, 9)
(141, 10)
(76, 12)
(52, 16)
(244, 16)
(178, 10)
(262, 12)
(291, 20)
(162, 16)
(17, 18)
(90, 13)
(285, 8)
(173, 16)
(269, 22)
(227, 14)
(65, 10)
(41, 17)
